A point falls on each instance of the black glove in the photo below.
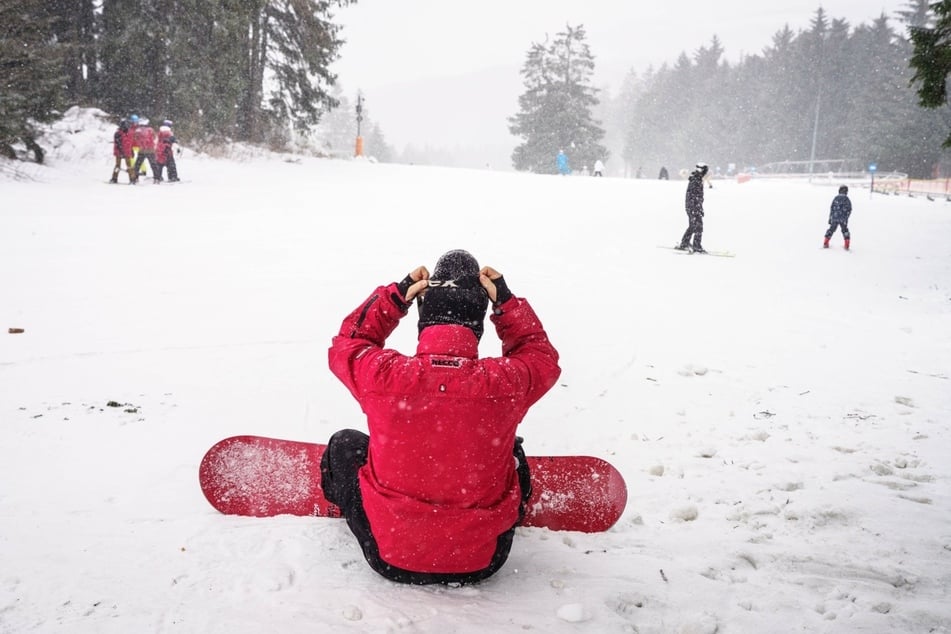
(404, 287)
(502, 292)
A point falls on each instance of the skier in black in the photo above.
(839, 214)
(694, 206)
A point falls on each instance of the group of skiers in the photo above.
(135, 142)
(839, 213)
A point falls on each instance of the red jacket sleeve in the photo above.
(526, 349)
(363, 334)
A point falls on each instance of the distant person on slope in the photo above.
(122, 151)
(133, 126)
(598, 168)
(561, 161)
(145, 141)
(164, 155)
(435, 491)
(694, 207)
(839, 214)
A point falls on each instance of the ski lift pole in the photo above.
(359, 148)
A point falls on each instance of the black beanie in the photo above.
(454, 295)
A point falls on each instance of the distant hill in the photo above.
(462, 116)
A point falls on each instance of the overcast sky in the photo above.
(413, 59)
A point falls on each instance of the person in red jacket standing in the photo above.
(434, 492)
(144, 139)
(122, 151)
(163, 153)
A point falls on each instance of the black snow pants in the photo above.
(346, 452)
(835, 225)
(695, 229)
(141, 158)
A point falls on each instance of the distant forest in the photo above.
(258, 71)
(848, 89)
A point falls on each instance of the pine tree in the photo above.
(74, 25)
(648, 142)
(376, 145)
(907, 131)
(248, 71)
(208, 56)
(555, 109)
(684, 113)
(132, 57)
(932, 58)
(337, 131)
(294, 43)
(618, 123)
(769, 84)
(708, 107)
(917, 13)
(31, 64)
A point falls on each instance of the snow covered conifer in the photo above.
(555, 109)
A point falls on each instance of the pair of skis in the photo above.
(691, 251)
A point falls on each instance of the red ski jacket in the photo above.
(439, 485)
(122, 143)
(163, 147)
(145, 139)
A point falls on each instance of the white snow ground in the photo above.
(782, 417)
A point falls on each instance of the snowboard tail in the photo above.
(262, 477)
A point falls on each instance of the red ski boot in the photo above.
(825, 243)
(847, 244)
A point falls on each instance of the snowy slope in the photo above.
(782, 417)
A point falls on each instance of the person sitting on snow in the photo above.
(433, 494)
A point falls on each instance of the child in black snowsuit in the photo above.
(839, 217)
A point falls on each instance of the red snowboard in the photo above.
(261, 477)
